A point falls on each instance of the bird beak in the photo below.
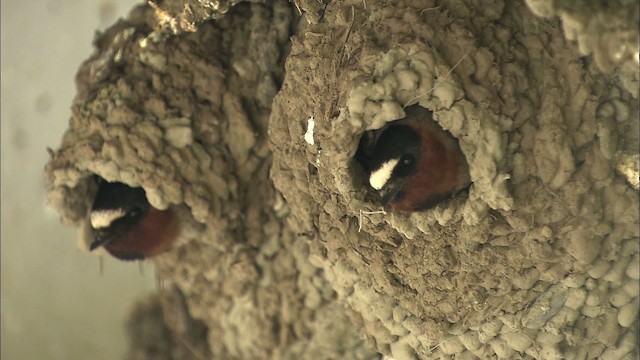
(390, 191)
(101, 239)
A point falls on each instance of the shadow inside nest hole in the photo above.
(411, 164)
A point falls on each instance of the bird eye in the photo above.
(407, 160)
(134, 212)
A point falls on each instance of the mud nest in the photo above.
(247, 126)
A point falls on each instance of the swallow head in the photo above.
(413, 163)
(126, 225)
(395, 159)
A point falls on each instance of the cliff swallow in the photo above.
(413, 163)
(126, 225)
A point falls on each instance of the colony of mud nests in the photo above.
(285, 252)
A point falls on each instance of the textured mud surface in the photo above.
(186, 118)
(540, 260)
(160, 327)
(505, 270)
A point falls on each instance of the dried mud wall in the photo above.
(533, 262)
(185, 117)
(284, 252)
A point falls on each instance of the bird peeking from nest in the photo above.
(124, 223)
(413, 163)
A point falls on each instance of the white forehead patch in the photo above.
(379, 178)
(103, 218)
